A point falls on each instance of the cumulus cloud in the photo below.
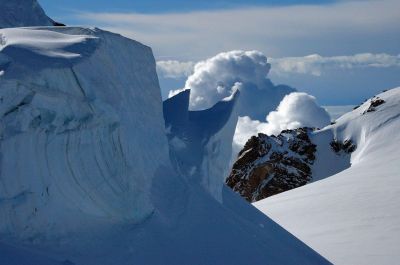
(296, 110)
(175, 69)
(218, 77)
(245, 129)
(316, 64)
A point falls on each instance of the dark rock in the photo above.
(58, 24)
(374, 103)
(347, 146)
(268, 165)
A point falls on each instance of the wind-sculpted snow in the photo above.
(201, 140)
(75, 138)
(44, 48)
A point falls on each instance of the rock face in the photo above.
(23, 13)
(269, 165)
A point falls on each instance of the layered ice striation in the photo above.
(76, 106)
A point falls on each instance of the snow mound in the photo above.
(351, 217)
(23, 13)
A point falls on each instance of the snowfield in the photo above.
(353, 216)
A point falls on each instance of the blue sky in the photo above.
(57, 8)
(190, 31)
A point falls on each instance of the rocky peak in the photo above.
(269, 165)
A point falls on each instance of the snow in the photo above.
(200, 141)
(67, 128)
(46, 44)
(22, 13)
(351, 217)
(88, 175)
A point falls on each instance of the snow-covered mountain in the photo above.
(89, 174)
(351, 217)
(23, 13)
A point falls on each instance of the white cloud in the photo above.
(174, 69)
(346, 27)
(316, 64)
(245, 129)
(295, 110)
(218, 77)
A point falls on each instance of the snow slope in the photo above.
(22, 13)
(353, 216)
(86, 175)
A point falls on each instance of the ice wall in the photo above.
(76, 106)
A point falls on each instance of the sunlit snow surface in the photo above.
(352, 217)
(18, 42)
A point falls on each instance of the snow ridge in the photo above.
(352, 216)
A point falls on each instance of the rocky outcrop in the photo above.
(268, 165)
(375, 102)
(347, 146)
